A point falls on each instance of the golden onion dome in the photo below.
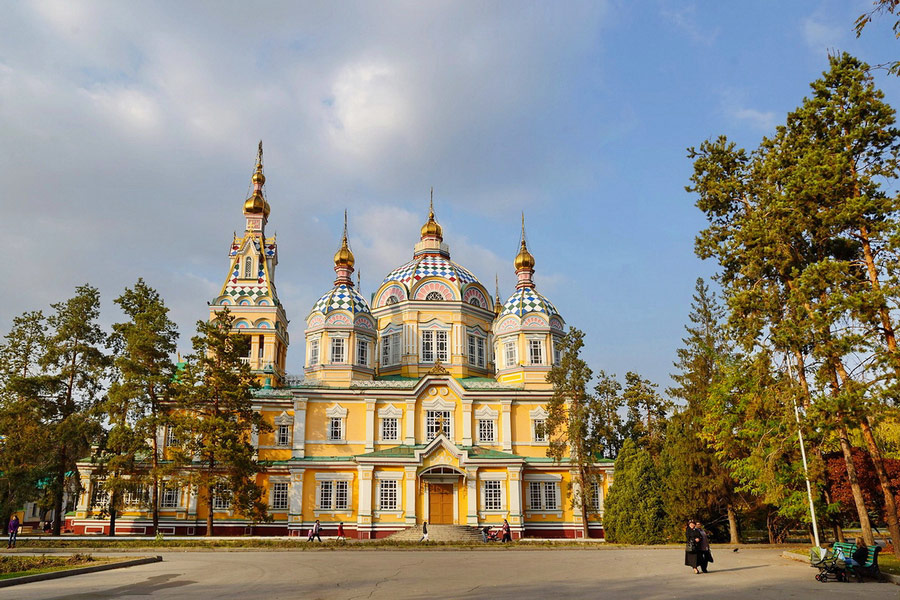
(256, 204)
(344, 257)
(524, 260)
(258, 177)
(432, 229)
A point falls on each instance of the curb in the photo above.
(78, 571)
(895, 579)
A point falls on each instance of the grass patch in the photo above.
(17, 566)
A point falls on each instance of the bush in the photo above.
(634, 508)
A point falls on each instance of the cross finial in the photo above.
(523, 227)
(259, 155)
(345, 223)
(431, 204)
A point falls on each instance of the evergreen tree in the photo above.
(574, 420)
(695, 475)
(646, 413)
(144, 346)
(74, 367)
(213, 419)
(609, 424)
(635, 513)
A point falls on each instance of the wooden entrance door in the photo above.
(440, 503)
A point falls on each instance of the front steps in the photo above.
(439, 533)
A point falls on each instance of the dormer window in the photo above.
(248, 267)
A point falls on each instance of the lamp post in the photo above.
(812, 506)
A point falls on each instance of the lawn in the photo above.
(16, 566)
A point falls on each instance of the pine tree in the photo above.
(609, 428)
(213, 419)
(635, 513)
(144, 346)
(574, 420)
(646, 413)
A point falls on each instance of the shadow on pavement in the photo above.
(143, 588)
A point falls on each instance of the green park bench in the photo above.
(870, 567)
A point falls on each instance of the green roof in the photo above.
(401, 451)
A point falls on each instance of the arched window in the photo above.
(392, 300)
(434, 296)
(474, 300)
(248, 267)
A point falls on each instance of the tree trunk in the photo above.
(770, 528)
(858, 500)
(890, 505)
(58, 492)
(584, 509)
(154, 501)
(209, 511)
(732, 524)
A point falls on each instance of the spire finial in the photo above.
(497, 306)
(523, 228)
(431, 229)
(256, 203)
(524, 260)
(259, 156)
(345, 226)
(343, 259)
(431, 202)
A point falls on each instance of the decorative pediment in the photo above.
(486, 412)
(283, 419)
(337, 411)
(438, 403)
(538, 413)
(507, 324)
(390, 412)
(438, 369)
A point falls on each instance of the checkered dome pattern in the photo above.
(342, 297)
(527, 300)
(430, 266)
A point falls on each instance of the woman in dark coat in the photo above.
(692, 550)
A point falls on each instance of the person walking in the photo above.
(13, 530)
(315, 532)
(507, 537)
(340, 535)
(424, 537)
(484, 533)
(692, 550)
(705, 556)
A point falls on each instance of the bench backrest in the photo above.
(848, 548)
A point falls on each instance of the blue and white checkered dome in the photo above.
(430, 265)
(528, 300)
(342, 297)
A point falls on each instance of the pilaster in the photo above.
(370, 424)
(364, 512)
(410, 423)
(410, 501)
(472, 496)
(467, 422)
(507, 425)
(295, 499)
(516, 523)
(298, 449)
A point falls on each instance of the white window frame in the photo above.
(387, 413)
(486, 415)
(362, 352)
(390, 429)
(476, 347)
(492, 492)
(542, 494)
(221, 498)
(171, 441)
(435, 346)
(329, 488)
(279, 494)
(337, 416)
(535, 352)
(496, 481)
(283, 427)
(338, 354)
(538, 415)
(169, 497)
(510, 353)
(388, 494)
(313, 352)
(597, 499)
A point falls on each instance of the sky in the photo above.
(128, 134)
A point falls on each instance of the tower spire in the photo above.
(343, 259)
(524, 262)
(431, 229)
(497, 306)
(256, 204)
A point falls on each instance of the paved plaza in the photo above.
(755, 574)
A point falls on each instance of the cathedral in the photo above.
(424, 402)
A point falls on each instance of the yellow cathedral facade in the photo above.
(423, 403)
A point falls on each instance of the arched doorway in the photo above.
(442, 484)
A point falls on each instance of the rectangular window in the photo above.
(486, 433)
(543, 495)
(476, 351)
(171, 441)
(492, 497)
(390, 349)
(387, 494)
(221, 497)
(137, 496)
(596, 497)
(99, 495)
(557, 355)
(169, 498)
(510, 353)
(539, 430)
(389, 429)
(437, 420)
(362, 353)
(313, 352)
(341, 495)
(283, 435)
(280, 496)
(337, 350)
(336, 428)
(261, 352)
(435, 345)
(536, 352)
(326, 495)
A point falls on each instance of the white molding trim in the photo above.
(395, 475)
(492, 476)
(283, 419)
(337, 411)
(542, 477)
(488, 413)
(334, 476)
(538, 413)
(439, 404)
(390, 412)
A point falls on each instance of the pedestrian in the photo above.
(340, 535)
(705, 556)
(424, 537)
(484, 533)
(315, 532)
(13, 531)
(507, 537)
(692, 550)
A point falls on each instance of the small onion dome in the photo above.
(344, 257)
(524, 260)
(431, 228)
(256, 204)
(258, 177)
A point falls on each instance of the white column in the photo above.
(410, 495)
(507, 425)
(515, 499)
(410, 423)
(295, 497)
(467, 422)
(299, 445)
(364, 508)
(472, 497)
(370, 424)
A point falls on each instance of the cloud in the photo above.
(683, 16)
(820, 34)
(761, 120)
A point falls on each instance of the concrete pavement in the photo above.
(756, 574)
